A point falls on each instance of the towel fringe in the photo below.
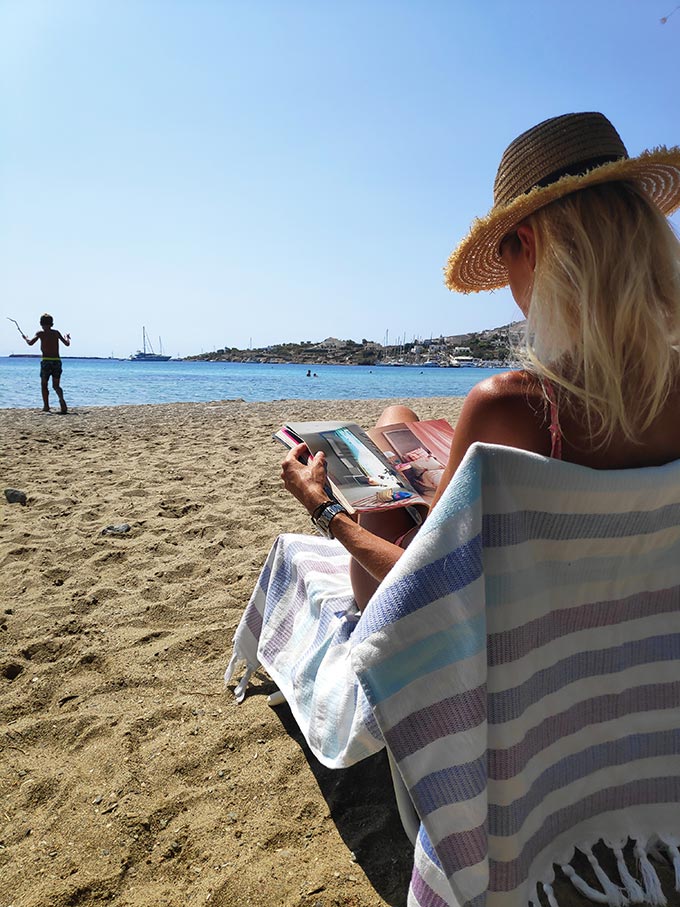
(582, 886)
(241, 686)
(674, 855)
(231, 667)
(240, 689)
(653, 892)
(550, 894)
(633, 888)
(614, 894)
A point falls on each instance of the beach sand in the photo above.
(128, 774)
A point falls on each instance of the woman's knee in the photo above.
(397, 412)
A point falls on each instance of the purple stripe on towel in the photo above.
(504, 529)
(508, 820)
(253, 620)
(506, 763)
(511, 703)
(462, 849)
(510, 645)
(285, 568)
(285, 577)
(506, 876)
(284, 631)
(425, 896)
(449, 716)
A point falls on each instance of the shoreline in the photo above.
(423, 404)
(129, 773)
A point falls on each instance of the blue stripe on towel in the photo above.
(509, 704)
(648, 698)
(426, 844)
(508, 820)
(450, 785)
(507, 876)
(434, 581)
(445, 647)
(514, 586)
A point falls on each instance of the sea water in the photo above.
(112, 382)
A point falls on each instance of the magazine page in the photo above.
(418, 450)
(362, 478)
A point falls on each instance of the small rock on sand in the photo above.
(120, 529)
(14, 496)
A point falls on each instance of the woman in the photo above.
(579, 232)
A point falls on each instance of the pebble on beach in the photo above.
(14, 496)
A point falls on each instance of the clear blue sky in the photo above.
(221, 170)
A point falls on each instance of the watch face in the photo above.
(323, 521)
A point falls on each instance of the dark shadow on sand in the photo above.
(362, 805)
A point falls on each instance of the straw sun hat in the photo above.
(548, 161)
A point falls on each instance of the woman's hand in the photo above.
(305, 481)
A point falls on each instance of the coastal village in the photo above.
(491, 348)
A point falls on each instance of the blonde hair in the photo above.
(604, 319)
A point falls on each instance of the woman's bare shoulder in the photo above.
(507, 408)
(507, 387)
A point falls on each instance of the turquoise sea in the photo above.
(110, 382)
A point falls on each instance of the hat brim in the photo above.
(475, 264)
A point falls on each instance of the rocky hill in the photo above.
(494, 344)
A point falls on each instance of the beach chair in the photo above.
(521, 663)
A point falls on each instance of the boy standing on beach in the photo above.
(51, 360)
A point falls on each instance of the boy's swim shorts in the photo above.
(50, 367)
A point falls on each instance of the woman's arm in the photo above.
(306, 483)
(505, 409)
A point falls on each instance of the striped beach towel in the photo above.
(521, 663)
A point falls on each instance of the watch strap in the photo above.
(323, 519)
(319, 509)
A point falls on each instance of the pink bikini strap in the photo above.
(555, 430)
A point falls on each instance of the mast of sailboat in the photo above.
(146, 342)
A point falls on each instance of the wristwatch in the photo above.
(322, 519)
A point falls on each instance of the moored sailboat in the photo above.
(149, 356)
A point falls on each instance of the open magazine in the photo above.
(393, 466)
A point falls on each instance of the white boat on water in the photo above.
(463, 361)
(149, 355)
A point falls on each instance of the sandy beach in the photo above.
(128, 773)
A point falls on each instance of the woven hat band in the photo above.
(569, 145)
(578, 169)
